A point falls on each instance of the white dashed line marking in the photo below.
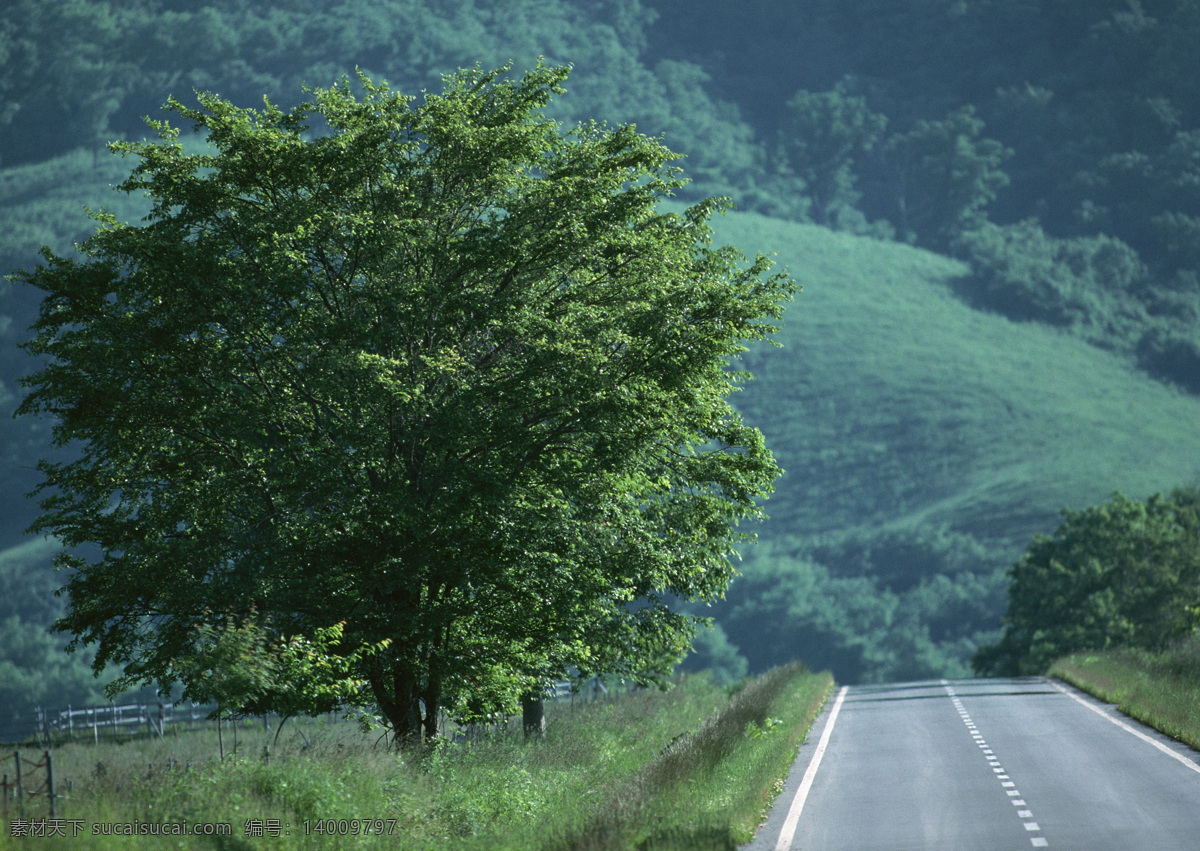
(1006, 783)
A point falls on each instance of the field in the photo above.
(693, 767)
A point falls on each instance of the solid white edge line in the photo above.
(1173, 754)
(793, 817)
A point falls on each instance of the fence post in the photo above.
(50, 786)
(20, 800)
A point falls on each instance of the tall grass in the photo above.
(1158, 689)
(695, 766)
(711, 787)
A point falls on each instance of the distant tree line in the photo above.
(33, 669)
(876, 607)
(1054, 145)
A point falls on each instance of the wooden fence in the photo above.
(125, 721)
(157, 719)
(28, 780)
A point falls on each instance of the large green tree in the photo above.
(433, 370)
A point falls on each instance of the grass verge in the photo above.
(693, 767)
(1158, 689)
(711, 788)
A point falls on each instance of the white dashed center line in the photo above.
(1006, 783)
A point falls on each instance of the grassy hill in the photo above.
(925, 442)
(892, 403)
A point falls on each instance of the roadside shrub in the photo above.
(1124, 574)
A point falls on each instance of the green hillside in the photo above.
(924, 442)
(893, 403)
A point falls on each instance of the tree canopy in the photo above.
(431, 371)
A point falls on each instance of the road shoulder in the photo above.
(768, 832)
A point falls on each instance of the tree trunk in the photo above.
(430, 696)
(533, 715)
(399, 701)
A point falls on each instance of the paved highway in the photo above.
(984, 764)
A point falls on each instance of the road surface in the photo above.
(992, 765)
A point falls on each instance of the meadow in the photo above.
(696, 766)
(893, 404)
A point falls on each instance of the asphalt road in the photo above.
(984, 764)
